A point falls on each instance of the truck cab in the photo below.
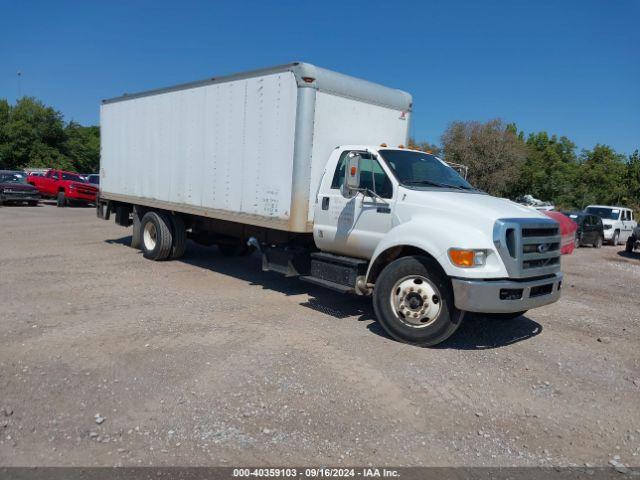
(453, 242)
(65, 187)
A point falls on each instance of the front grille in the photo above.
(529, 247)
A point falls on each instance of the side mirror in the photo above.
(352, 174)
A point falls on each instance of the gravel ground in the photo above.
(110, 359)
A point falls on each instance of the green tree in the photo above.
(550, 170)
(493, 151)
(602, 177)
(632, 196)
(34, 135)
(82, 146)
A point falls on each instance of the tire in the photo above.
(136, 234)
(437, 318)
(629, 245)
(32, 203)
(156, 235)
(179, 233)
(615, 239)
(503, 316)
(577, 242)
(598, 242)
(61, 200)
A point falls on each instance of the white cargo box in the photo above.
(247, 148)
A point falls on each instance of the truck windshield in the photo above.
(605, 213)
(414, 168)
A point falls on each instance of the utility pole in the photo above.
(19, 74)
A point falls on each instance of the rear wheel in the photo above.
(156, 235)
(598, 242)
(413, 301)
(61, 200)
(504, 316)
(629, 245)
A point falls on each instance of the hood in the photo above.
(472, 206)
(17, 186)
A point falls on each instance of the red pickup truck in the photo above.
(65, 187)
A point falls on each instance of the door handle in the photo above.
(325, 203)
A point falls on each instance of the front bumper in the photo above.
(76, 196)
(501, 296)
(19, 197)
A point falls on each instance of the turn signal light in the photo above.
(467, 258)
(354, 170)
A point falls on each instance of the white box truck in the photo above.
(308, 167)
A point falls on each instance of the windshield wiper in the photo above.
(436, 184)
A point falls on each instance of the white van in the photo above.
(618, 222)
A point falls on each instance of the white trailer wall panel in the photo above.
(248, 148)
(226, 146)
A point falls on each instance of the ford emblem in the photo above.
(543, 247)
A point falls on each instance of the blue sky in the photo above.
(568, 67)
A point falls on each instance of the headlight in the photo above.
(467, 258)
(607, 227)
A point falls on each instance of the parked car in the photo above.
(321, 198)
(618, 222)
(65, 187)
(633, 242)
(93, 179)
(15, 189)
(590, 229)
(567, 230)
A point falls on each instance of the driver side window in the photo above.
(372, 176)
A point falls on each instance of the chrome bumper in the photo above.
(501, 296)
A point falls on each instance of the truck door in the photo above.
(45, 183)
(354, 226)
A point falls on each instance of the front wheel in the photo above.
(413, 302)
(629, 245)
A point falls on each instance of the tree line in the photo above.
(507, 163)
(35, 135)
(501, 160)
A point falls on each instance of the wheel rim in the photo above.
(415, 301)
(149, 236)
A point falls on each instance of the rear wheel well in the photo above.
(394, 253)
